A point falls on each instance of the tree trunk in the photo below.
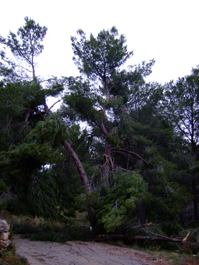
(107, 91)
(28, 113)
(107, 157)
(78, 163)
(141, 214)
(84, 179)
(91, 216)
(107, 164)
(181, 218)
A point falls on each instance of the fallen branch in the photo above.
(183, 241)
(5, 194)
(137, 227)
(123, 237)
(186, 237)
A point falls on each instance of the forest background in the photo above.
(137, 160)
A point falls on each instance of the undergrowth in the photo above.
(166, 252)
(78, 229)
(9, 257)
(47, 232)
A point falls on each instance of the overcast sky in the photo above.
(166, 30)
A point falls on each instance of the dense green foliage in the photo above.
(138, 159)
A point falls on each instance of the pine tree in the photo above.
(183, 112)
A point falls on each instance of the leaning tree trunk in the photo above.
(79, 166)
(83, 176)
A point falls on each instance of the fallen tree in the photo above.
(186, 241)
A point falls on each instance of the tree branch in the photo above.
(129, 152)
(54, 104)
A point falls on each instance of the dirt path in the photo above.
(79, 253)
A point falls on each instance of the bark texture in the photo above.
(78, 163)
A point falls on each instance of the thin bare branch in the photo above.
(55, 104)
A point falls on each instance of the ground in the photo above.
(73, 252)
(81, 253)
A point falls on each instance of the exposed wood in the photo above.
(186, 237)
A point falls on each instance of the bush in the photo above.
(46, 232)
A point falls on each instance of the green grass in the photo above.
(9, 257)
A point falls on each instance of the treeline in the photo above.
(136, 162)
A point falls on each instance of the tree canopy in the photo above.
(137, 159)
